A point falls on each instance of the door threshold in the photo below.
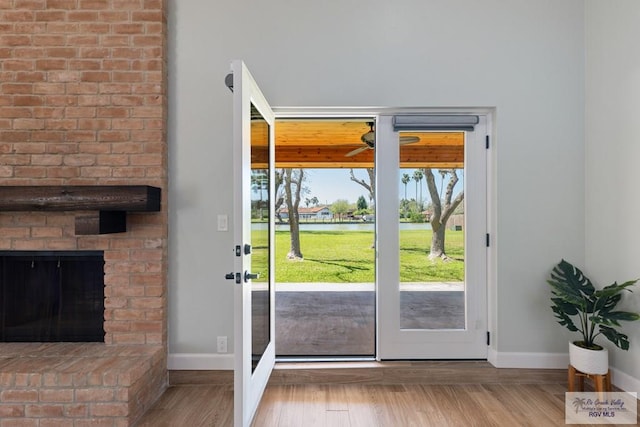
(409, 372)
(302, 365)
(319, 360)
(371, 362)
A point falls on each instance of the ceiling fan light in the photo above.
(369, 138)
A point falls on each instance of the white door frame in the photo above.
(488, 320)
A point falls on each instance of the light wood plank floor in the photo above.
(412, 405)
(395, 395)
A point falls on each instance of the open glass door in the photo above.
(432, 243)
(253, 122)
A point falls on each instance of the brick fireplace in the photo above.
(83, 103)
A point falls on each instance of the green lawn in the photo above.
(348, 256)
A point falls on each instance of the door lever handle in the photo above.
(250, 276)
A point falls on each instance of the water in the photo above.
(337, 226)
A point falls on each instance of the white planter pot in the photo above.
(589, 361)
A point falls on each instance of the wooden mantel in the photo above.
(109, 203)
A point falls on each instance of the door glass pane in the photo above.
(260, 295)
(431, 229)
(325, 238)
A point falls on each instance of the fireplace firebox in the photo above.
(51, 296)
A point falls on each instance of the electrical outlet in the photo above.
(222, 344)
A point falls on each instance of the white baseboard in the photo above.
(554, 361)
(625, 381)
(225, 362)
(200, 361)
(528, 360)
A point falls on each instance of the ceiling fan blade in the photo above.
(408, 139)
(356, 151)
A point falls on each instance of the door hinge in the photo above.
(487, 142)
(488, 240)
(488, 338)
(228, 81)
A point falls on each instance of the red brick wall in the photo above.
(83, 102)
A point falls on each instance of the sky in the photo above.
(329, 185)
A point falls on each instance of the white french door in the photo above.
(253, 123)
(463, 299)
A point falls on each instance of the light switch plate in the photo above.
(223, 223)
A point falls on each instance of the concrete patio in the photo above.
(338, 319)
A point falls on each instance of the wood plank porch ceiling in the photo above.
(324, 144)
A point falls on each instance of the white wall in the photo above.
(525, 58)
(612, 156)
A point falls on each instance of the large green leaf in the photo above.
(564, 319)
(619, 339)
(565, 306)
(608, 303)
(572, 286)
(573, 277)
(613, 317)
(624, 315)
(566, 293)
(614, 289)
(600, 304)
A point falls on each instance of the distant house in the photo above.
(315, 213)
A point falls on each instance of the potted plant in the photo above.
(575, 297)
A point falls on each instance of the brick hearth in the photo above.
(68, 384)
(83, 102)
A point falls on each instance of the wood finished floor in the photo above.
(406, 395)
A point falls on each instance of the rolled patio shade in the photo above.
(411, 122)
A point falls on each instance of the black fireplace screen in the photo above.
(52, 296)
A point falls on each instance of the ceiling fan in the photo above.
(369, 139)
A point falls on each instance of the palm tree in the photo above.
(417, 177)
(405, 180)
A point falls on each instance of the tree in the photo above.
(417, 177)
(314, 201)
(340, 207)
(293, 179)
(370, 186)
(405, 180)
(442, 210)
(279, 193)
(361, 204)
(259, 185)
